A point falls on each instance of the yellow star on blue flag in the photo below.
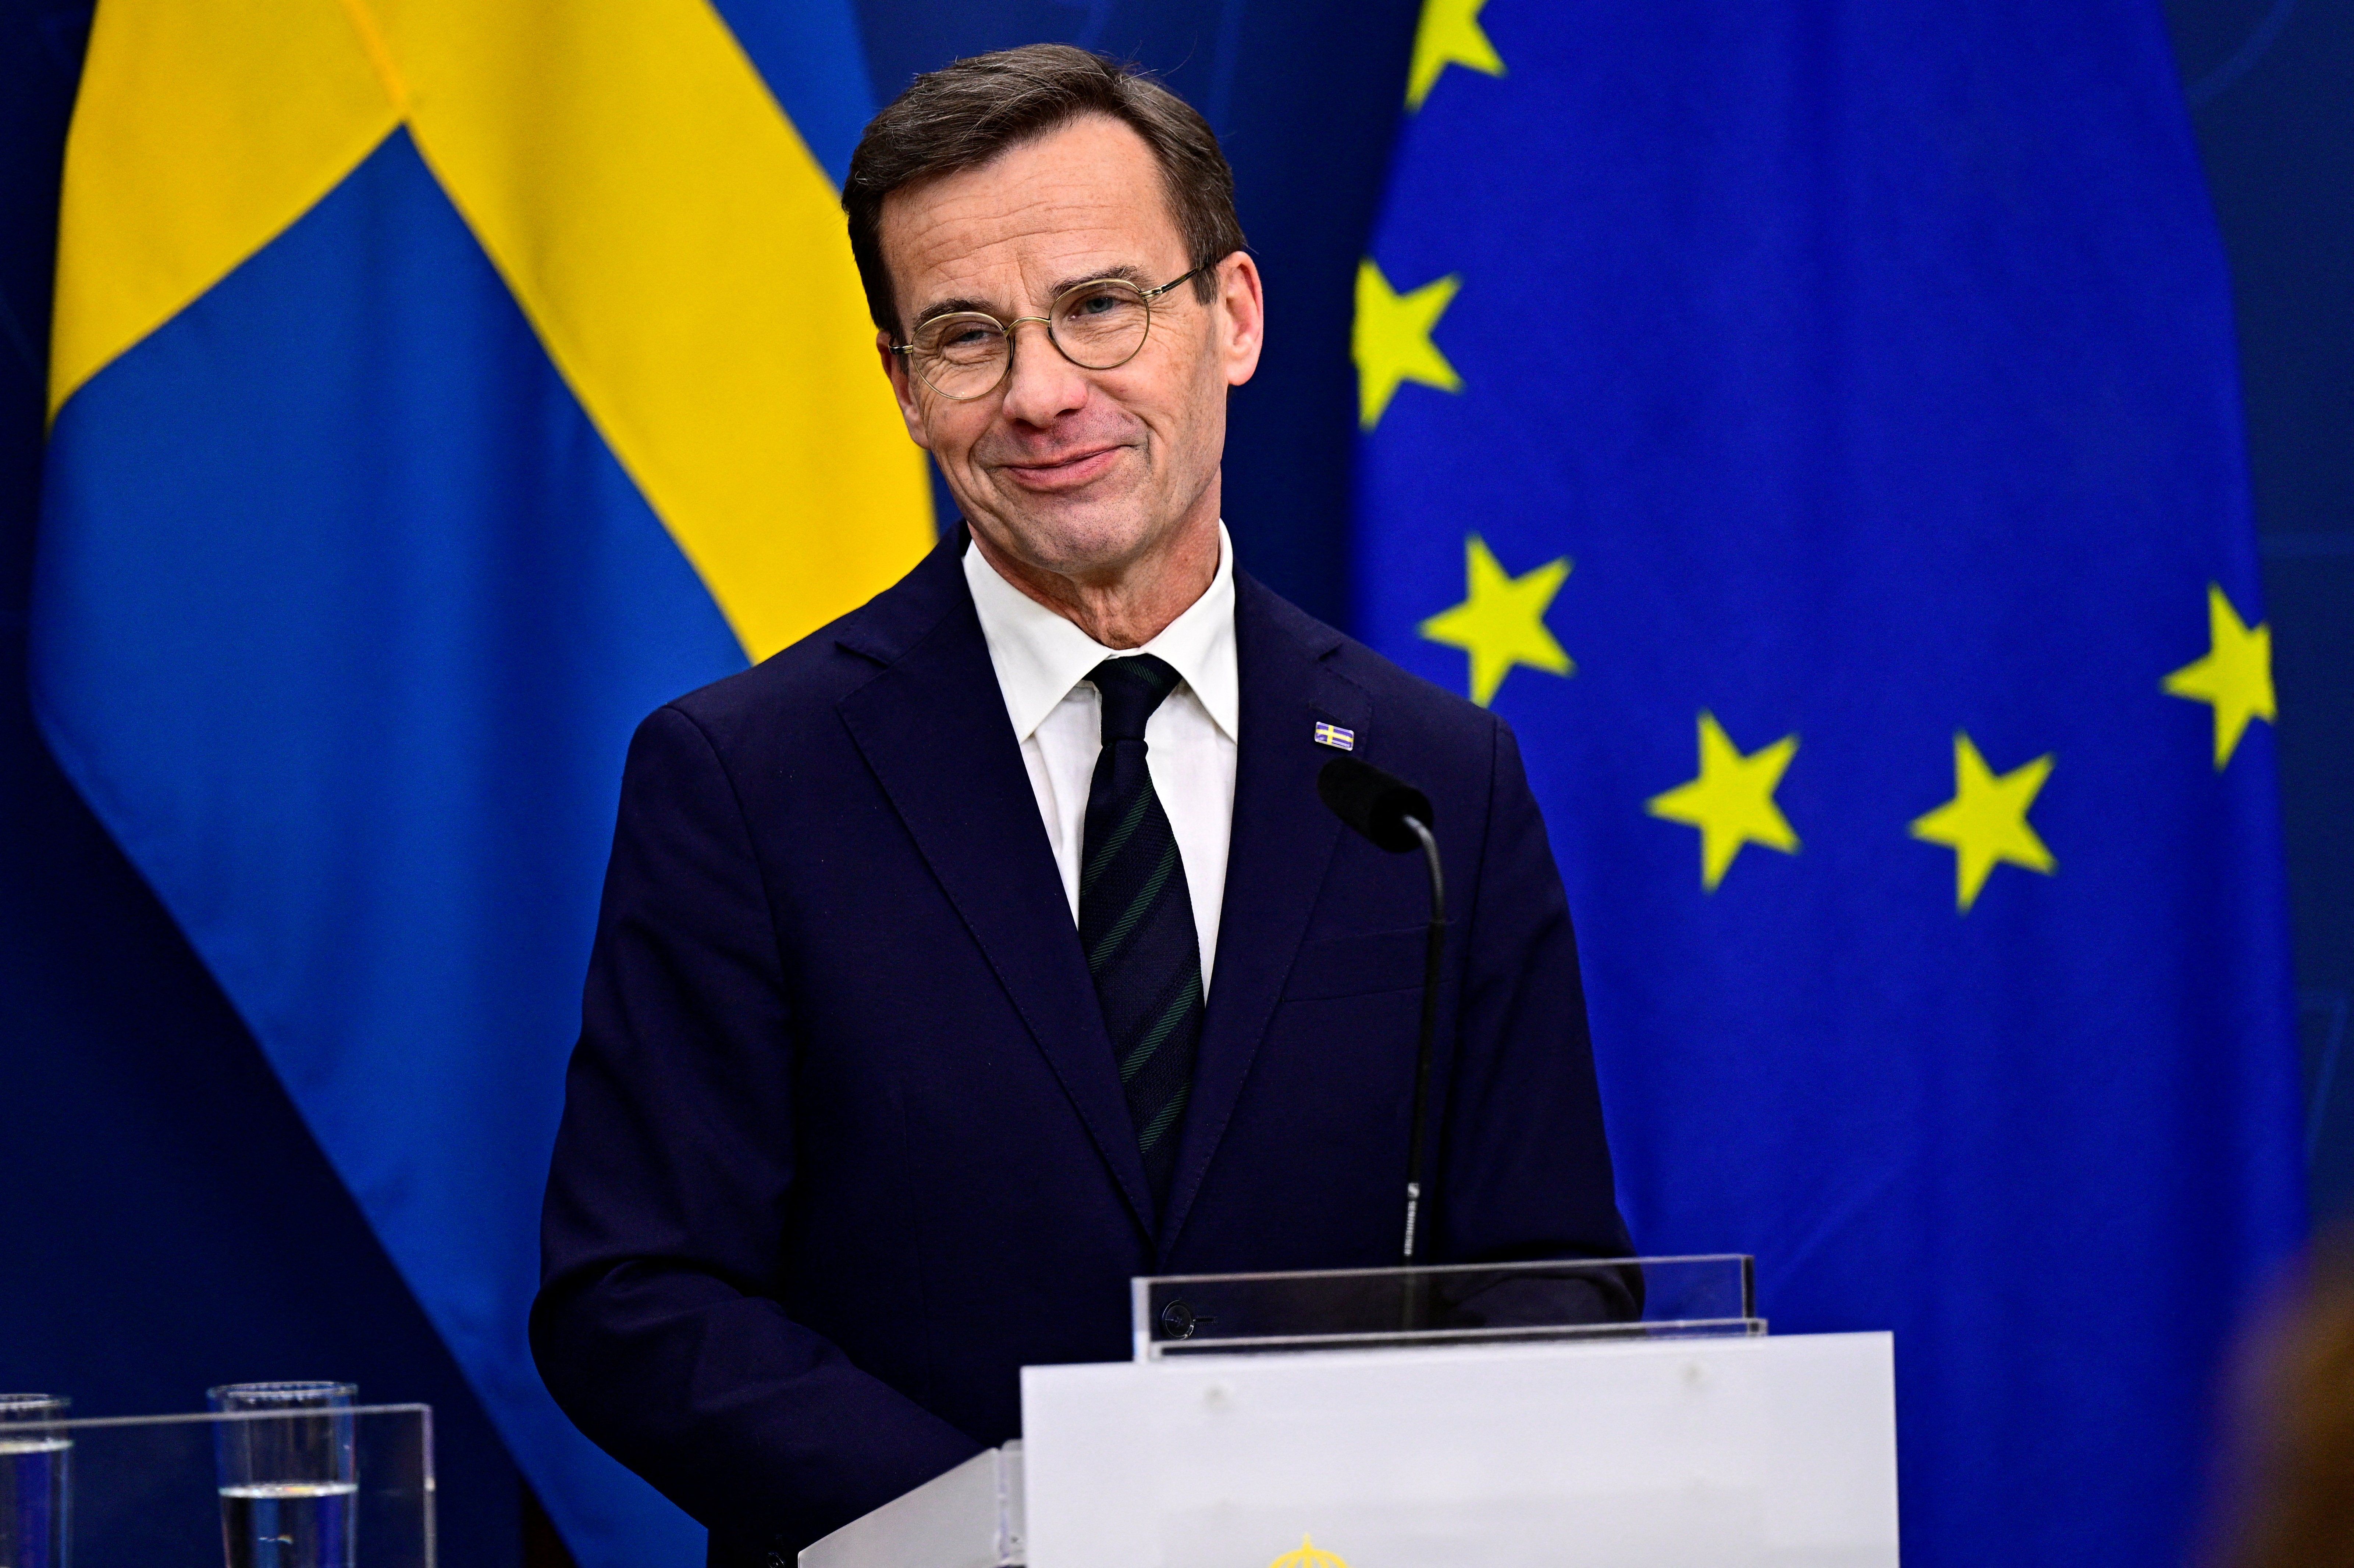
(1501, 622)
(2235, 678)
(1732, 802)
(1391, 340)
(1985, 824)
(1448, 34)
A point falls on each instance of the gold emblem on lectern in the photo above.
(1307, 1556)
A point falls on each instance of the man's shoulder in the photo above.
(1395, 695)
(780, 698)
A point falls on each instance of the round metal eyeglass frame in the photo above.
(1006, 330)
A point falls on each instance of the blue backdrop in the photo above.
(1853, 389)
(183, 1228)
(2271, 85)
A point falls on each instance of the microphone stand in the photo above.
(1395, 816)
(1416, 1306)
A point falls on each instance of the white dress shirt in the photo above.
(1042, 662)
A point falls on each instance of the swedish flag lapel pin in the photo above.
(1333, 736)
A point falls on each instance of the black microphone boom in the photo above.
(1397, 816)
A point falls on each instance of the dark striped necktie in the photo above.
(1136, 918)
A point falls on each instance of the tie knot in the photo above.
(1131, 688)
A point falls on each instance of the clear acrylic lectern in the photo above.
(208, 1491)
(1632, 1412)
(1366, 1308)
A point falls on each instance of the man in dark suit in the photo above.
(991, 946)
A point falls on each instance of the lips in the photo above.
(1066, 472)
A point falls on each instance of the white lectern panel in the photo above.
(968, 1517)
(1712, 1453)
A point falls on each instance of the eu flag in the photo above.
(438, 387)
(1814, 427)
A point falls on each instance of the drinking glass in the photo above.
(35, 1496)
(287, 1482)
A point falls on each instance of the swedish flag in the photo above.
(1815, 427)
(437, 386)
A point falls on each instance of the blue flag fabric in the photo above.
(1815, 427)
(348, 599)
(346, 720)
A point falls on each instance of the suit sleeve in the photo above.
(1525, 1168)
(658, 1327)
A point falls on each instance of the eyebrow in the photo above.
(952, 308)
(1125, 273)
(963, 306)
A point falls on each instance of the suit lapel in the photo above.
(932, 727)
(1282, 841)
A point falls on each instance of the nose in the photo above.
(1040, 386)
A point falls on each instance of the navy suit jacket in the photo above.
(843, 1143)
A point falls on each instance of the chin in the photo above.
(1075, 540)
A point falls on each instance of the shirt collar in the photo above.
(1039, 656)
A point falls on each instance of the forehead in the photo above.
(1082, 199)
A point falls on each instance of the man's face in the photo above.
(1079, 472)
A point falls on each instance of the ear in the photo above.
(1242, 316)
(903, 388)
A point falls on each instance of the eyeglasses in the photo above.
(1097, 325)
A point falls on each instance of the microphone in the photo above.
(1396, 816)
(1374, 803)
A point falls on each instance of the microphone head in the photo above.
(1374, 803)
